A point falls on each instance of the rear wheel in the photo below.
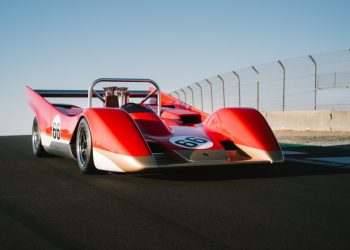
(38, 149)
(84, 148)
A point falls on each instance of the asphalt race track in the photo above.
(47, 203)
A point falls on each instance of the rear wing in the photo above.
(82, 93)
(38, 102)
(121, 92)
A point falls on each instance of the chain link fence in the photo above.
(306, 83)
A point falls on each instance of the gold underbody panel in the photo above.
(110, 161)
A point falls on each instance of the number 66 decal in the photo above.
(191, 142)
(56, 128)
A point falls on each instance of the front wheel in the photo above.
(84, 148)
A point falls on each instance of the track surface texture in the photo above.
(46, 203)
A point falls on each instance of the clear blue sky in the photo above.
(68, 44)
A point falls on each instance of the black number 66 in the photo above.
(191, 142)
(56, 133)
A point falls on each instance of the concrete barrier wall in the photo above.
(319, 120)
(340, 120)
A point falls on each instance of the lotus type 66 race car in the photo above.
(155, 131)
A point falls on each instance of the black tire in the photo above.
(84, 148)
(37, 147)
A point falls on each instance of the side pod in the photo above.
(248, 130)
(117, 142)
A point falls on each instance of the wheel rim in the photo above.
(36, 136)
(82, 145)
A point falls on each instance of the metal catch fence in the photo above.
(305, 83)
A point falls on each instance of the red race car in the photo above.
(158, 131)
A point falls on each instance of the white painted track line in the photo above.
(338, 160)
(289, 152)
(319, 161)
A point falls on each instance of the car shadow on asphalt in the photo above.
(222, 173)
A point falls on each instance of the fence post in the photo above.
(211, 94)
(284, 84)
(223, 89)
(178, 96)
(192, 95)
(239, 87)
(257, 87)
(183, 91)
(200, 87)
(315, 83)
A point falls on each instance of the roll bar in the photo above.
(96, 93)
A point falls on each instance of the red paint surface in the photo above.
(244, 126)
(46, 112)
(115, 131)
(149, 123)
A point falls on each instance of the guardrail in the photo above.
(305, 83)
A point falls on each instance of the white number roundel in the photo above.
(191, 142)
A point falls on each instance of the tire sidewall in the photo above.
(87, 166)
